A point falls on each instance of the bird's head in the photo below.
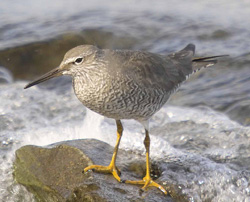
(75, 60)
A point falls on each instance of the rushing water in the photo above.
(157, 26)
(205, 127)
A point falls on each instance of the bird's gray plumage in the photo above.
(125, 84)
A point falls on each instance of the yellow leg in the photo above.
(111, 168)
(147, 181)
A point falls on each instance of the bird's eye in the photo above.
(78, 61)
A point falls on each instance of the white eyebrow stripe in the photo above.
(69, 60)
(72, 59)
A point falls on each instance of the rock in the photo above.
(31, 60)
(240, 112)
(54, 173)
(215, 35)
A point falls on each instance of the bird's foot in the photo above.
(105, 169)
(146, 182)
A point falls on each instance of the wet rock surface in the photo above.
(54, 173)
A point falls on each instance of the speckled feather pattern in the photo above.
(125, 84)
(129, 84)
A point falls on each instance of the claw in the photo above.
(140, 192)
(118, 171)
(105, 169)
(147, 182)
(87, 171)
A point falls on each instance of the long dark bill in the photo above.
(51, 74)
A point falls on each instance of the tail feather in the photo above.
(207, 58)
(203, 62)
(189, 64)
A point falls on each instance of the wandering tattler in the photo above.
(125, 84)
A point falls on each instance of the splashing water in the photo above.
(200, 140)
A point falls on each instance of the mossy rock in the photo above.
(55, 173)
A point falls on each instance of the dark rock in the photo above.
(215, 35)
(55, 173)
(240, 112)
(30, 60)
(33, 59)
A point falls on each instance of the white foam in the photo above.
(51, 117)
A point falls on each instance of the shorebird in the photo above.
(126, 84)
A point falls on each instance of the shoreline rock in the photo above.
(54, 173)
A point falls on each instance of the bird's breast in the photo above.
(118, 97)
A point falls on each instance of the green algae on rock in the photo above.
(54, 173)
